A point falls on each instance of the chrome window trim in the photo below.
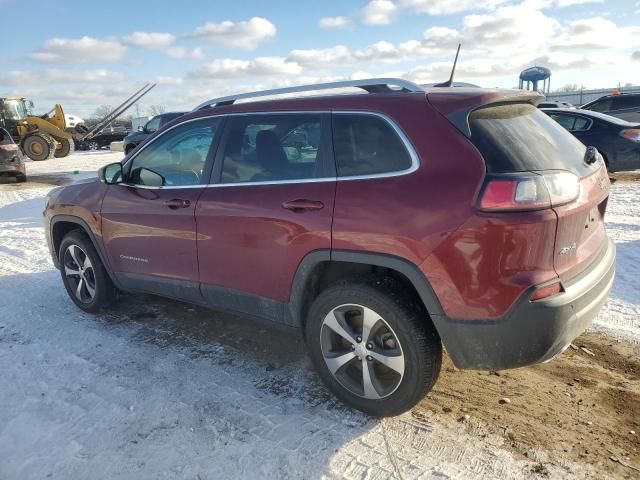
(415, 160)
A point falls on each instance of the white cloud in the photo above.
(594, 33)
(260, 66)
(334, 22)
(570, 3)
(245, 35)
(440, 7)
(319, 57)
(149, 40)
(379, 12)
(55, 75)
(85, 49)
(168, 80)
(181, 52)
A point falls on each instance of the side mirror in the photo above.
(111, 174)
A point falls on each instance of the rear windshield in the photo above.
(519, 137)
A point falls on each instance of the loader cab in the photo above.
(12, 112)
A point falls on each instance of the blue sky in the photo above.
(87, 54)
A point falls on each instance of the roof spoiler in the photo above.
(457, 105)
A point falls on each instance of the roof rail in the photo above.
(371, 85)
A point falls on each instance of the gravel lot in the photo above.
(159, 389)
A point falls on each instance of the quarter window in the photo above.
(263, 148)
(177, 157)
(367, 145)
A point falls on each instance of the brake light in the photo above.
(530, 191)
(546, 292)
(632, 134)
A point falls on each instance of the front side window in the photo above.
(264, 148)
(367, 145)
(177, 157)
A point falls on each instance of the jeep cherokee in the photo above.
(384, 225)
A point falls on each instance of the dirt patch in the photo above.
(580, 408)
(36, 181)
(624, 177)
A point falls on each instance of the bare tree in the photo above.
(102, 111)
(156, 110)
(571, 87)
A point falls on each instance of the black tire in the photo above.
(67, 147)
(409, 321)
(103, 288)
(38, 147)
(21, 178)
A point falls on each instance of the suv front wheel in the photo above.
(83, 274)
(373, 345)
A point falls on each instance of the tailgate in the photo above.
(580, 233)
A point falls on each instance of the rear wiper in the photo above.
(591, 155)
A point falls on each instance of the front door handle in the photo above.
(176, 203)
(302, 205)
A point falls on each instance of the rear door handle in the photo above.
(302, 205)
(176, 203)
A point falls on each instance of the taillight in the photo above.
(528, 191)
(546, 292)
(632, 134)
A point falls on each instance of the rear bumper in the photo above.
(13, 168)
(532, 332)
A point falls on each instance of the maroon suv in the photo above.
(383, 225)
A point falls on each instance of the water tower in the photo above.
(530, 78)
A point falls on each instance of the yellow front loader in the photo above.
(48, 136)
(41, 138)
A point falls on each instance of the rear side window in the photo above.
(267, 148)
(626, 101)
(519, 138)
(367, 145)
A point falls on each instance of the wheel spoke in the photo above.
(91, 290)
(79, 289)
(335, 321)
(87, 263)
(368, 380)
(74, 251)
(337, 362)
(394, 362)
(369, 321)
(70, 272)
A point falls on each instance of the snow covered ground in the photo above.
(159, 389)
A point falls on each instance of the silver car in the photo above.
(11, 158)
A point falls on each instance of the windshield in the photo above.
(14, 109)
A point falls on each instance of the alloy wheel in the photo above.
(79, 274)
(362, 351)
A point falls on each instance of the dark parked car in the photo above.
(11, 158)
(625, 106)
(553, 104)
(382, 225)
(134, 139)
(103, 139)
(618, 141)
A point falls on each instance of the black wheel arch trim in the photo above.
(85, 227)
(400, 265)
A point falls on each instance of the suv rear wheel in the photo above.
(373, 346)
(83, 274)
